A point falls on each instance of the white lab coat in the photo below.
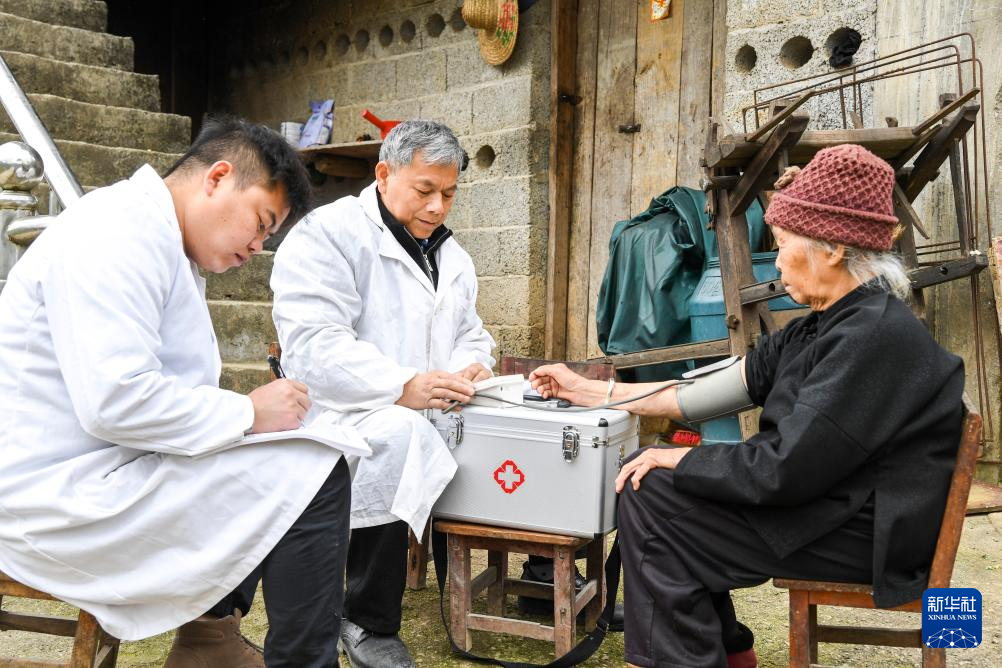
(109, 386)
(357, 319)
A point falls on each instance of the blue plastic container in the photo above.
(706, 318)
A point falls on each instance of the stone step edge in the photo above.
(89, 15)
(70, 143)
(100, 106)
(247, 366)
(110, 71)
(94, 108)
(81, 31)
(240, 302)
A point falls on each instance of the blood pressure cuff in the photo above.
(715, 391)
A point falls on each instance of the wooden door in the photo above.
(645, 94)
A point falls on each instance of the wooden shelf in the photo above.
(888, 143)
(353, 160)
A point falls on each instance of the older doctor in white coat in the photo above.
(109, 394)
(375, 306)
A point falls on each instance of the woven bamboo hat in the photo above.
(497, 21)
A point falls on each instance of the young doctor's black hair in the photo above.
(261, 157)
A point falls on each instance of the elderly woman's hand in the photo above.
(557, 381)
(648, 459)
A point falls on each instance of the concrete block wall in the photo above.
(773, 41)
(418, 58)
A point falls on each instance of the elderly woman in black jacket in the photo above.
(848, 476)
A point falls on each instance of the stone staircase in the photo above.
(106, 121)
(104, 118)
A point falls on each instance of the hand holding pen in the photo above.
(281, 404)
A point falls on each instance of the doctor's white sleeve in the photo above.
(316, 305)
(473, 342)
(104, 293)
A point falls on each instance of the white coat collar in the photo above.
(450, 263)
(147, 180)
(152, 184)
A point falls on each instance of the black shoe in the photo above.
(373, 650)
(528, 605)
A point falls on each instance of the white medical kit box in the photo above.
(551, 471)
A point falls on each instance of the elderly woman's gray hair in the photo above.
(881, 267)
(435, 141)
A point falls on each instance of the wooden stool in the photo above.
(92, 647)
(498, 542)
(417, 558)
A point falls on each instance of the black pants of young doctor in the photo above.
(683, 554)
(303, 580)
(377, 575)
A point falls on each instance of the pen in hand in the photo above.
(276, 367)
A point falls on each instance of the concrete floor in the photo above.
(764, 609)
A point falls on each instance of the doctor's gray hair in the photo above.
(435, 141)
(882, 267)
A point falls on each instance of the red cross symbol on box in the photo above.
(509, 476)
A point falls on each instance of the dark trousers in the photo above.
(377, 575)
(683, 554)
(303, 580)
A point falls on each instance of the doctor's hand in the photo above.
(435, 389)
(557, 381)
(649, 458)
(476, 372)
(279, 406)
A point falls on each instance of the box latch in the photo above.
(455, 432)
(571, 443)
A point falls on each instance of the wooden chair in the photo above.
(806, 595)
(92, 647)
(463, 586)
(417, 553)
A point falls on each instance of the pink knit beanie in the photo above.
(843, 195)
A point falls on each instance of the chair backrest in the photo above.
(956, 501)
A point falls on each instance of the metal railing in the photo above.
(22, 168)
(28, 125)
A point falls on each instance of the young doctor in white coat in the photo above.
(375, 306)
(109, 393)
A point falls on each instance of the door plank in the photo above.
(563, 34)
(613, 150)
(659, 70)
(579, 250)
(695, 88)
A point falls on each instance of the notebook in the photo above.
(320, 428)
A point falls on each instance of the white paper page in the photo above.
(320, 428)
